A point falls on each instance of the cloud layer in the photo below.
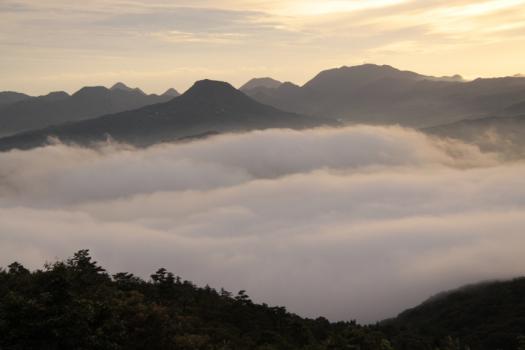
(359, 222)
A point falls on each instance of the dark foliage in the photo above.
(76, 304)
(484, 316)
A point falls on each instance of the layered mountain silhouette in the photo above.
(374, 94)
(207, 107)
(171, 92)
(369, 94)
(9, 97)
(59, 107)
(256, 83)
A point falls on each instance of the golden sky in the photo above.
(155, 44)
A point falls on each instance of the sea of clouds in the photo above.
(350, 223)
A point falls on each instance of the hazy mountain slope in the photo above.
(124, 87)
(254, 83)
(171, 92)
(8, 97)
(385, 95)
(484, 316)
(56, 108)
(209, 106)
(515, 109)
(501, 134)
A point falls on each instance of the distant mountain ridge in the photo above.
(208, 107)
(8, 97)
(255, 83)
(374, 94)
(365, 94)
(124, 87)
(171, 92)
(59, 107)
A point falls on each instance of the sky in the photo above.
(156, 44)
(351, 223)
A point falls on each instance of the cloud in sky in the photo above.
(359, 222)
(236, 40)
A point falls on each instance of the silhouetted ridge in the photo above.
(212, 92)
(255, 83)
(207, 108)
(171, 92)
(121, 86)
(375, 94)
(55, 96)
(91, 91)
(210, 88)
(7, 97)
(484, 316)
(356, 76)
(55, 108)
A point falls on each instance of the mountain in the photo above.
(207, 107)
(358, 77)
(485, 316)
(505, 135)
(59, 107)
(124, 87)
(171, 92)
(374, 94)
(455, 77)
(515, 109)
(8, 97)
(254, 83)
(54, 96)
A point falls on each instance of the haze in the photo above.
(64, 45)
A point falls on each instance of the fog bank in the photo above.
(353, 223)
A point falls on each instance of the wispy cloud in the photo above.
(290, 37)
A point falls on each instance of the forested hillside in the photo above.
(77, 304)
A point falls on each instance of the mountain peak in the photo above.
(266, 82)
(211, 89)
(55, 96)
(121, 86)
(354, 77)
(171, 92)
(91, 91)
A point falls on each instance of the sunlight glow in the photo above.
(313, 8)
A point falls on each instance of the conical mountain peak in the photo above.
(213, 91)
(210, 86)
(266, 82)
(171, 92)
(121, 86)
